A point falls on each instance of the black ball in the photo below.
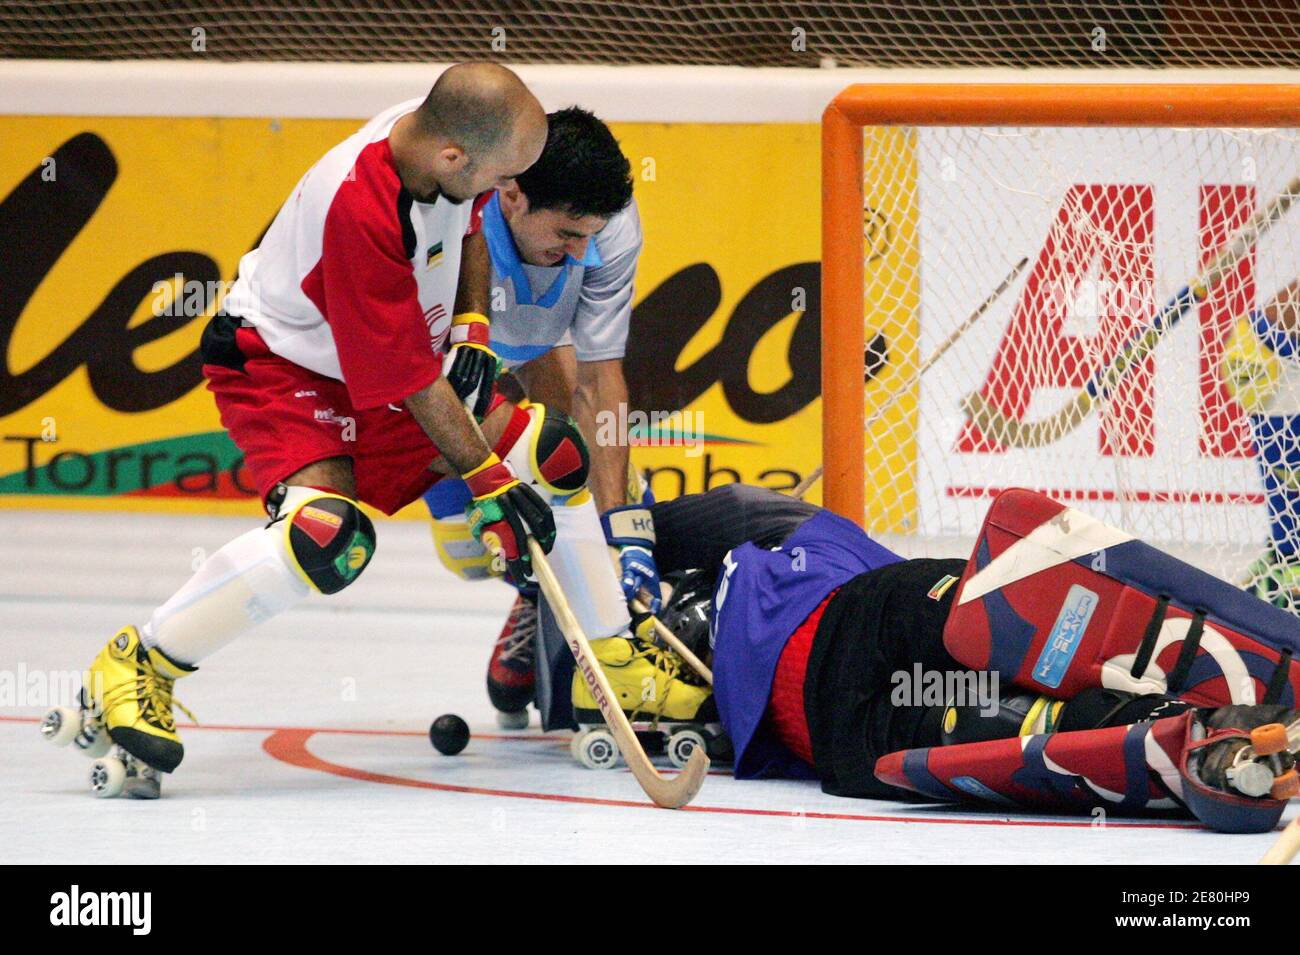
(449, 734)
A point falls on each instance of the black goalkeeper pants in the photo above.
(880, 623)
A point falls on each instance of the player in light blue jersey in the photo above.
(564, 240)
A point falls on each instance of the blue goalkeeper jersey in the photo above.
(761, 598)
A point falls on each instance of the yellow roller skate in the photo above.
(126, 707)
(668, 710)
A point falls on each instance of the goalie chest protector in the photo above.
(1056, 601)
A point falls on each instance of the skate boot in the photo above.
(668, 712)
(1277, 581)
(510, 676)
(1249, 750)
(125, 705)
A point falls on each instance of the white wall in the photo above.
(631, 93)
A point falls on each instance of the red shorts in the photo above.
(284, 417)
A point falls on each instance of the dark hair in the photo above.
(581, 171)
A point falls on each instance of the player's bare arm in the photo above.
(472, 365)
(1283, 309)
(439, 411)
(551, 378)
(602, 390)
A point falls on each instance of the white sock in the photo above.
(247, 581)
(582, 564)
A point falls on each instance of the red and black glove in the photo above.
(471, 364)
(504, 513)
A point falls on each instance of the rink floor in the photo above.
(313, 745)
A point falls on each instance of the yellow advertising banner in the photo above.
(108, 285)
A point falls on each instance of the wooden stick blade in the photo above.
(1284, 849)
(670, 792)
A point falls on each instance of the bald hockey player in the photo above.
(1063, 667)
(351, 365)
(564, 239)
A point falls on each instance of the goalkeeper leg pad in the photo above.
(1158, 765)
(1056, 602)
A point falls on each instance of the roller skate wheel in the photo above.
(682, 744)
(595, 749)
(107, 776)
(1286, 786)
(93, 740)
(1268, 739)
(512, 721)
(61, 725)
(1251, 779)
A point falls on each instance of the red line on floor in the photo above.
(290, 746)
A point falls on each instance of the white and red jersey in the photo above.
(355, 279)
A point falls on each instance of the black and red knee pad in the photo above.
(329, 539)
(550, 452)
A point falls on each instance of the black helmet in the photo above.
(689, 609)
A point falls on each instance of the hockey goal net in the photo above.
(1144, 33)
(992, 257)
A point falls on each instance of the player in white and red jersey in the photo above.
(343, 365)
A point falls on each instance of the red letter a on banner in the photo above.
(1103, 231)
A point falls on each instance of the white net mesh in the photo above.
(741, 32)
(1089, 233)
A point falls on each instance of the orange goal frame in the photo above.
(991, 104)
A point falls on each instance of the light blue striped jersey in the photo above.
(587, 304)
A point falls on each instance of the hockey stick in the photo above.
(1286, 846)
(669, 792)
(1034, 434)
(670, 638)
(802, 487)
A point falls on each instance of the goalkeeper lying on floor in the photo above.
(1064, 666)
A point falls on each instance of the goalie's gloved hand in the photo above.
(471, 365)
(631, 531)
(505, 513)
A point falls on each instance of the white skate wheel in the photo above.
(61, 725)
(93, 740)
(1252, 779)
(681, 744)
(595, 749)
(107, 776)
(512, 721)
